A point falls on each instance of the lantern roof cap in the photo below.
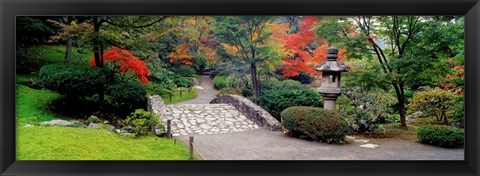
(332, 66)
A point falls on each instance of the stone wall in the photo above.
(254, 112)
(155, 104)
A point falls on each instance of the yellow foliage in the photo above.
(232, 50)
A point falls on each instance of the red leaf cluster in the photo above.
(128, 62)
(298, 43)
(304, 59)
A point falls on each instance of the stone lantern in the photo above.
(331, 76)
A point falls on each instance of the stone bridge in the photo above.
(225, 114)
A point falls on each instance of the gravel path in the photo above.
(205, 95)
(261, 144)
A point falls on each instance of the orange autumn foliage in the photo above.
(181, 55)
(128, 62)
(303, 58)
(458, 73)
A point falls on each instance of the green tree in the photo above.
(433, 102)
(409, 49)
(245, 39)
(31, 30)
(70, 30)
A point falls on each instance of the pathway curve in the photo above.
(206, 92)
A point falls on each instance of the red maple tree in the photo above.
(303, 58)
(127, 61)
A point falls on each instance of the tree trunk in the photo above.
(68, 51)
(96, 48)
(403, 121)
(96, 55)
(445, 119)
(401, 105)
(255, 86)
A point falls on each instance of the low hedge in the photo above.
(315, 124)
(71, 80)
(276, 100)
(441, 135)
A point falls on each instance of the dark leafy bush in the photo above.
(72, 81)
(168, 79)
(275, 101)
(287, 84)
(225, 70)
(127, 94)
(184, 70)
(247, 92)
(441, 135)
(220, 82)
(199, 63)
(315, 124)
(228, 90)
(303, 78)
(182, 82)
(459, 110)
(141, 122)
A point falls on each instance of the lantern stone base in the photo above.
(329, 100)
(330, 95)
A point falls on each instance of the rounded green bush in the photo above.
(185, 70)
(220, 82)
(315, 124)
(73, 81)
(127, 94)
(441, 135)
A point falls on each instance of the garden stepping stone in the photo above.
(369, 145)
(27, 125)
(361, 140)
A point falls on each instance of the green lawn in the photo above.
(61, 143)
(48, 54)
(32, 104)
(64, 143)
(175, 97)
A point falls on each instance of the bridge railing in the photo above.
(156, 104)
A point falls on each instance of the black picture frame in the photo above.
(9, 9)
